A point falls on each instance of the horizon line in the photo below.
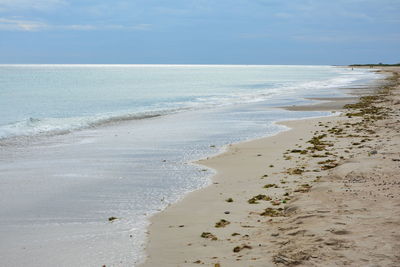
(155, 64)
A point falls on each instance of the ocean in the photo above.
(82, 143)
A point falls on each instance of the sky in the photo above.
(326, 32)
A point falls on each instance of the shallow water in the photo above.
(37, 99)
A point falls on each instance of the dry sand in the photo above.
(325, 193)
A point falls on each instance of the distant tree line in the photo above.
(376, 65)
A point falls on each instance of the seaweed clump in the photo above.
(209, 235)
(273, 212)
(239, 248)
(296, 171)
(222, 223)
(255, 199)
(112, 218)
(304, 188)
(271, 185)
(318, 144)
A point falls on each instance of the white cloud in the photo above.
(88, 27)
(32, 25)
(10, 5)
(21, 25)
(77, 27)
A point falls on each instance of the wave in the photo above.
(55, 126)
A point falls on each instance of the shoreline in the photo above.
(198, 201)
(185, 234)
(129, 171)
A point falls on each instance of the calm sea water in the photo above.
(82, 143)
(57, 98)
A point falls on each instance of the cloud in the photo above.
(76, 27)
(89, 27)
(137, 27)
(32, 26)
(11, 5)
(21, 25)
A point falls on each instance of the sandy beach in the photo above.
(324, 193)
(85, 184)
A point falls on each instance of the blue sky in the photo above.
(200, 31)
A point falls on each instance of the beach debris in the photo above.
(198, 262)
(227, 212)
(328, 164)
(373, 152)
(209, 235)
(272, 212)
(271, 185)
(275, 202)
(304, 188)
(229, 200)
(271, 166)
(239, 248)
(318, 144)
(235, 234)
(296, 171)
(222, 223)
(217, 265)
(254, 200)
(319, 155)
(264, 176)
(112, 218)
(336, 130)
(303, 152)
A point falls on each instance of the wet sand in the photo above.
(325, 193)
(324, 104)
